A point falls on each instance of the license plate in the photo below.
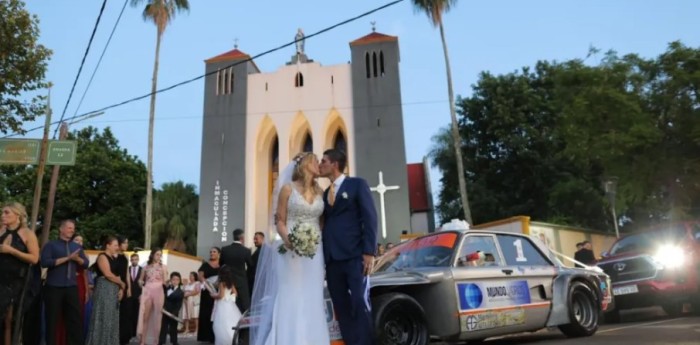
(625, 290)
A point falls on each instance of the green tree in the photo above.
(175, 217)
(160, 12)
(23, 64)
(435, 9)
(544, 139)
(103, 191)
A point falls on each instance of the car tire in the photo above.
(673, 308)
(583, 312)
(399, 320)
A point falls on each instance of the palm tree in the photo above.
(161, 12)
(175, 217)
(435, 9)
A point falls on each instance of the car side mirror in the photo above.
(604, 254)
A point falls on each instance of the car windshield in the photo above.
(648, 241)
(430, 251)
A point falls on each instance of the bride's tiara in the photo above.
(300, 157)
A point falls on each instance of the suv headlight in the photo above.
(670, 256)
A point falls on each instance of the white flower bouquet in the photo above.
(305, 239)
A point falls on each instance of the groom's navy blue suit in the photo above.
(349, 231)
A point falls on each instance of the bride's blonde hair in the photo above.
(300, 162)
(20, 211)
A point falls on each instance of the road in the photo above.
(639, 327)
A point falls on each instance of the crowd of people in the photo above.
(115, 300)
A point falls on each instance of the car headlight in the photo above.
(670, 256)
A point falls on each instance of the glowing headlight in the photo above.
(670, 256)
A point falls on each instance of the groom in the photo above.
(349, 244)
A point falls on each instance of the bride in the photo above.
(287, 302)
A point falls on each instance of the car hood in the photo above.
(408, 277)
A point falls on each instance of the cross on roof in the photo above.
(374, 25)
(235, 43)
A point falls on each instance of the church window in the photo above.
(308, 143)
(374, 64)
(381, 63)
(230, 90)
(299, 80)
(340, 143)
(265, 86)
(274, 166)
(225, 86)
(218, 82)
(331, 79)
(367, 64)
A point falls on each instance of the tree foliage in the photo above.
(543, 139)
(175, 217)
(22, 66)
(103, 191)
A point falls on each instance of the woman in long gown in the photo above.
(205, 332)
(226, 314)
(122, 270)
(288, 292)
(19, 249)
(152, 297)
(104, 321)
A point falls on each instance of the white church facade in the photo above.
(255, 122)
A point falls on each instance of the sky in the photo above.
(498, 36)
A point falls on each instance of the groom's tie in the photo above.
(331, 195)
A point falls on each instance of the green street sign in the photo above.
(26, 151)
(61, 152)
(19, 151)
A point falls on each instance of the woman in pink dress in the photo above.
(152, 279)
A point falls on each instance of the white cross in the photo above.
(381, 188)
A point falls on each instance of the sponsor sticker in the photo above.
(478, 295)
(492, 319)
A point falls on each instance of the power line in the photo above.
(104, 50)
(82, 63)
(115, 105)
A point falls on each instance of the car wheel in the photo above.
(399, 320)
(673, 308)
(583, 312)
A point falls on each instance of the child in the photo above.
(226, 314)
(173, 302)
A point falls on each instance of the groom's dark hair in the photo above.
(237, 235)
(337, 156)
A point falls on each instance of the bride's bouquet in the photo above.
(305, 238)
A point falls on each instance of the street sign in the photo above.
(26, 151)
(19, 151)
(61, 152)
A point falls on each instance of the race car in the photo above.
(472, 285)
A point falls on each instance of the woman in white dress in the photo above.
(190, 312)
(288, 299)
(226, 314)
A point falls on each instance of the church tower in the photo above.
(222, 174)
(378, 126)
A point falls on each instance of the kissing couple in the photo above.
(320, 233)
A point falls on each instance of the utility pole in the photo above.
(52, 192)
(42, 163)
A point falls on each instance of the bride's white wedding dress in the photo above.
(299, 316)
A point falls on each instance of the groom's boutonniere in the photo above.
(345, 195)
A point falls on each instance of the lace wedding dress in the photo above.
(298, 313)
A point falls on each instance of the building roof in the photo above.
(374, 37)
(230, 55)
(417, 191)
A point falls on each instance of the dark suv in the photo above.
(660, 266)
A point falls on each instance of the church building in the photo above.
(255, 122)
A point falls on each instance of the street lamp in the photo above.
(610, 186)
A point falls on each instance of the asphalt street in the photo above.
(638, 327)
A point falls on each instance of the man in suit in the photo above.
(258, 241)
(349, 245)
(134, 273)
(238, 257)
